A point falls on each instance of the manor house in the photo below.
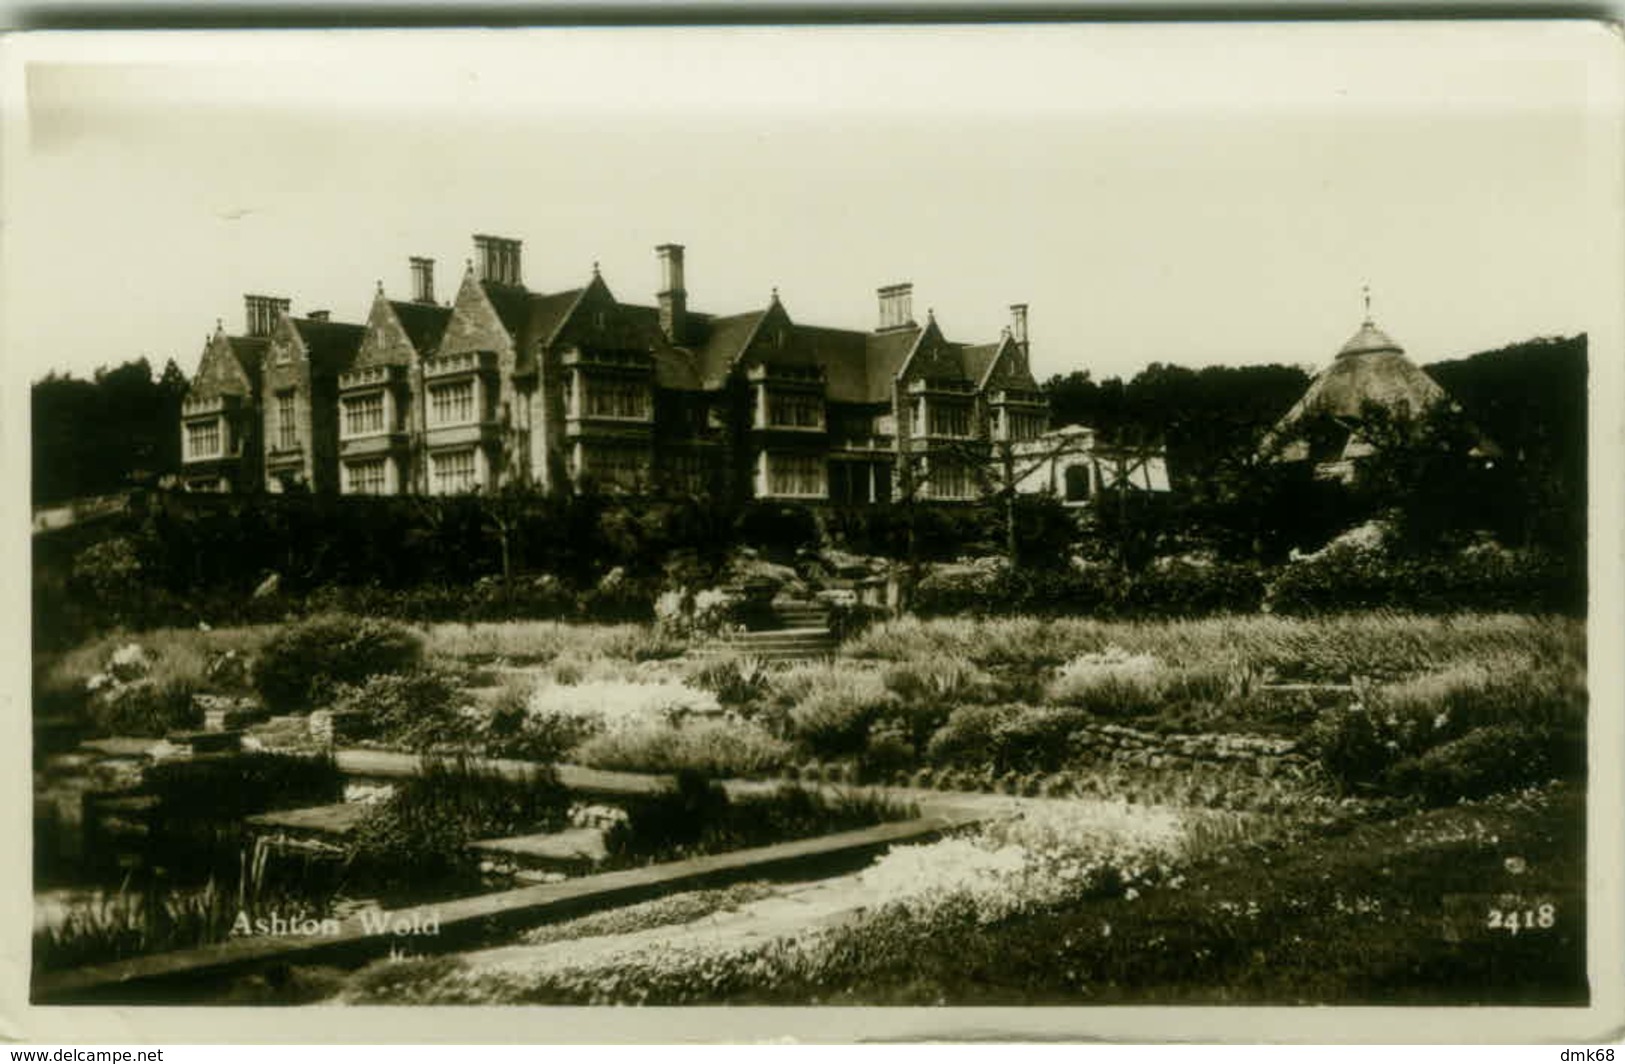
(566, 390)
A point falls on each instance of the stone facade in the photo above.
(574, 389)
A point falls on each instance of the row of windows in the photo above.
(798, 475)
(796, 410)
(1011, 425)
(623, 399)
(204, 439)
(453, 472)
(452, 403)
(944, 418)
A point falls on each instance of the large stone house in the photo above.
(559, 391)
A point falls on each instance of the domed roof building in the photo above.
(1369, 370)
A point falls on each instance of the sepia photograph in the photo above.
(818, 517)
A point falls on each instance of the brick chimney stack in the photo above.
(896, 306)
(262, 312)
(498, 259)
(673, 296)
(1018, 326)
(422, 280)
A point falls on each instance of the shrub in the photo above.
(145, 707)
(889, 749)
(832, 714)
(697, 816)
(195, 828)
(1111, 683)
(1037, 739)
(1487, 761)
(712, 748)
(1349, 578)
(969, 734)
(423, 829)
(673, 820)
(303, 664)
(735, 681)
(416, 710)
(237, 785)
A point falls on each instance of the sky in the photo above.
(1195, 195)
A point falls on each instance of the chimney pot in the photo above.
(673, 296)
(422, 279)
(896, 306)
(1018, 323)
(498, 259)
(262, 312)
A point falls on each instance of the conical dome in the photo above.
(1369, 340)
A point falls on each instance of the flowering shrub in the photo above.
(128, 698)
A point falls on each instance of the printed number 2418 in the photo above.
(1514, 920)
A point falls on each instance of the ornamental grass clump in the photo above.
(720, 748)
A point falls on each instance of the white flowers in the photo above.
(622, 705)
(1042, 858)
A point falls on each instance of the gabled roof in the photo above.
(979, 360)
(676, 368)
(548, 313)
(723, 340)
(843, 355)
(888, 353)
(424, 323)
(250, 352)
(330, 345)
(230, 365)
(511, 302)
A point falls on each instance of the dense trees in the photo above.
(99, 435)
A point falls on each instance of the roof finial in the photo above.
(595, 267)
(775, 293)
(1365, 290)
(380, 286)
(219, 326)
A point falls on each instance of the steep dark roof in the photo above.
(250, 352)
(425, 324)
(332, 344)
(843, 355)
(723, 341)
(887, 352)
(979, 360)
(511, 303)
(675, 368)
(548, 313)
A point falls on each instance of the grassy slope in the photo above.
(1356, 918)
